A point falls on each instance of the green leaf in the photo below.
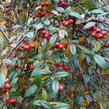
(55, 86)
(67, 10)
(53, 39)
(63, 33)
(62, 106)
(38, 79)
(89, 24)
(85, 50)
(8, 61)
(35, 72)
(81, 100)
(61, 74)
(2, 80)
(60, 9)
(42, 103)
(47, 22)
(88, 98)
(29, 35)
(73, 49)
(31, 90)
(30, 20)
(39, 26)
(97, 11)
(48, 54)
(45, 71)
(75, 14)
(44, 95)
(52, 29)
(100, 61)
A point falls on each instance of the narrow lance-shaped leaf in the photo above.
(61, 74)
(55, 86)
(100, 61)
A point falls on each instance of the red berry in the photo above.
(43, 32)
(100, 35)
(98, 30)
(31, 66)
(61, 46)
(66, 68)
(21, 66)
(46, 36)
(61, 64)
(26, 47)
(7, 86)
(50, 34)
(11, 100)
(31, 46)
(93, 34)
(56, 64)
(107, 44)
(104, 33)
(66, 24)
(70, 21)
(57, 25)
(56, 45)
(61, 87)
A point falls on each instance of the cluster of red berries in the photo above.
(40, 13)
(60, 45)
(67, 22)
(63, 3)
(6, 87)
(28, 47)
(46, 4)
(45, 34)
(31, 66)
(97, 33)
(66, 67)
(11, 100)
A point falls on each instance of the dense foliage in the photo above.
(54, 54)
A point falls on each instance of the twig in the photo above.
(4, 36)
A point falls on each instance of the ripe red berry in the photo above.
(98, 30)
(7, 86)
(93, 34)
(57, 25)
(50, 34)
(61, 87)
(43, 32)
(100, 35)
(61, 64)
(26, 47)
(31, 46)
(66, 68)
(104, 33)
(56, 45)
(61, 46)
(31, 66)
(107, 44)
(11, 100)
(70, 21)
(66, 24)
(56, 64)
(21, 66)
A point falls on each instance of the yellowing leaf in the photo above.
(4, 69)
(97, 46)
(36, 43)
(56, 13)
(44, 76)
(68, 53)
